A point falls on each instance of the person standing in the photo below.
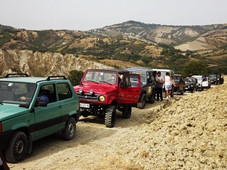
(168, 85)
(159, 85)
(3, 164)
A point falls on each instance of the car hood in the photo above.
(188, 83)
(98, 89)
(9, 110)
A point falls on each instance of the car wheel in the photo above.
(17, 148)
(110, 116)
(152, 98)
(126, 112)
(142, 102)
(70, 129)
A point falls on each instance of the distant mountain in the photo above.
(120, 45)
(5, 27)
(177, 36)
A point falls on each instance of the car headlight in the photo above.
(81, 91)
(91, 92)
(101, 98)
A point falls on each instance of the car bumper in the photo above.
(4, 139)
(189, 88)
(92, 109)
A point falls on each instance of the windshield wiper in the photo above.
(104, 82)
(92, 81)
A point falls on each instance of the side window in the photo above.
(49, 91)
(134, 81)
(64, 92)
(126, 79)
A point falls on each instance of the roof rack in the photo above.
(56, 77)
(16, 75)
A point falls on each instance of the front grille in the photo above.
(88, 96)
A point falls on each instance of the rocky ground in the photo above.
(185, 132)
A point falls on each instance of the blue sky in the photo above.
(90, 14)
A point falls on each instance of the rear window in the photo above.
(64, 92)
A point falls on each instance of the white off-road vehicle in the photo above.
(203, 82)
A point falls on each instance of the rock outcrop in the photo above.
(42, 64)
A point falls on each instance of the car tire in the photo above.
(70, 129)
(110, 116)
(30, 145)
(152, 98)
(17, 148)
(142, 102)
(126, 112)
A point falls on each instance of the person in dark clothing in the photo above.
(159, 85)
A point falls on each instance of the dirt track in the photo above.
(184, 132)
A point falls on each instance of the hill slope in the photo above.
(132, 43)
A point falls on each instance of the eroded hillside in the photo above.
(42, 64)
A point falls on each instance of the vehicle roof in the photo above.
(110, 70)
(28, 79)
(160, 69)
(190, 78)
(177, 75)
(138, 69)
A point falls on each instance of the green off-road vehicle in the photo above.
(32, 108)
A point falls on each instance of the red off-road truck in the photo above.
(103, 91)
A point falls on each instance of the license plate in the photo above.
(84, 105)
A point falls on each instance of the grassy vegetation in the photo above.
(5, 37)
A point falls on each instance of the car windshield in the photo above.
(188, 80)
(176, 78)
(15, 92)
(213, 76)
(101, 77)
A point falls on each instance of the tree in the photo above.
(195, 67)
(75, 77)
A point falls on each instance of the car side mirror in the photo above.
(42, 104)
